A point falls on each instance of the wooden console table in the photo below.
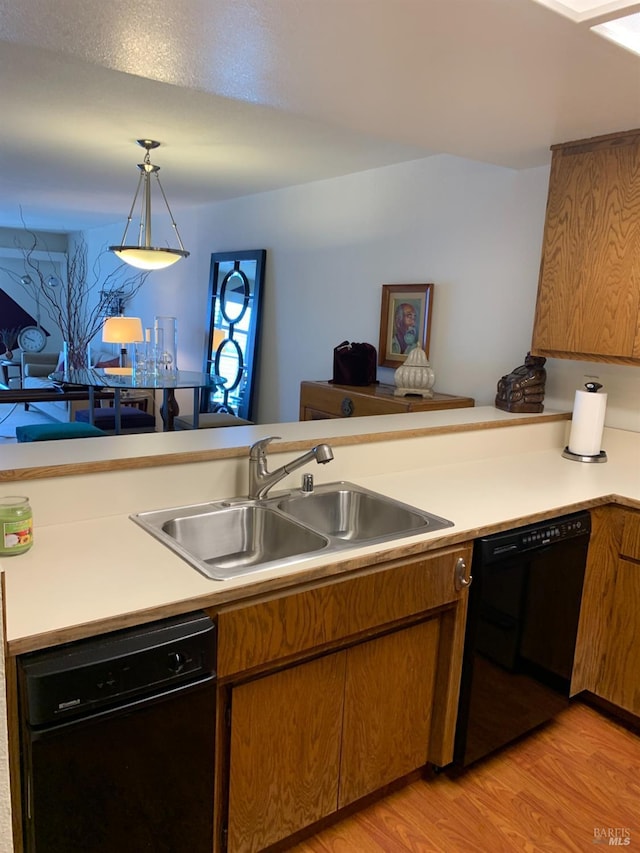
(320, 400)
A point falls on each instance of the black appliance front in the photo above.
(117, 737)
(522, 623)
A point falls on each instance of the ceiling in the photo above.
(252, 95)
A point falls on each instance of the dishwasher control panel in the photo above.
(500, 546)
(65, 681)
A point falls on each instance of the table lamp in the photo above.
(123, 331)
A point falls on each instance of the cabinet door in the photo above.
(589, 290)
(620, 683)
(597, 607)
(630, 544)
(285, 752)
(389, 690)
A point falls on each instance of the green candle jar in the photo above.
(16, 526)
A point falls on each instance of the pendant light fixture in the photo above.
(144, 255)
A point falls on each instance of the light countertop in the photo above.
(103, 571)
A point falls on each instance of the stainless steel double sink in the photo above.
(227, 539)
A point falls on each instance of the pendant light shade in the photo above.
(144, 255)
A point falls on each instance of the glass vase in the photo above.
(75, 356)
(166, 346)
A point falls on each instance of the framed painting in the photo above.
(405, 321)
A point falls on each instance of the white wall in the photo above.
(12, 267)
(474, 230)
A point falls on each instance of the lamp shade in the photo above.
(150, 258)
(122, 330)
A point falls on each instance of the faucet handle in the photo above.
(259, 448)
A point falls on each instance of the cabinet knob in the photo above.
(347, 407)
(460, 575)
(176, 662)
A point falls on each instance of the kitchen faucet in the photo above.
(261, 480)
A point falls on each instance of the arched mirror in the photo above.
(235, 292)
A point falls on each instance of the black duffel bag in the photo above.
(354, 364)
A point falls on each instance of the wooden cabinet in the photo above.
(608, 660)
(285, 752)
(620, 679)
(389, 686)
(320, 400)
(320, 735)
(597, 598)
(336, 690)
(588, 302)
(630, 545)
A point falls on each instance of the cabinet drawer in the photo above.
(630, 546)
(336, 401)
(325, 400)
(252, 635)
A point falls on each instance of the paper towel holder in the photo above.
(579, 457)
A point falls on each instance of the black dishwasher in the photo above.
(117, 741)
(522, 623)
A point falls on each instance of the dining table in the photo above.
(119, 379)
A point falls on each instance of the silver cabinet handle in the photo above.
(460, 572)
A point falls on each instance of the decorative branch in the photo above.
(79, 305)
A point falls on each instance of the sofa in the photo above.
(36, 369)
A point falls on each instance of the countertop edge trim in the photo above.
(293, 445)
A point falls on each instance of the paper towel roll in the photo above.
(587, 423)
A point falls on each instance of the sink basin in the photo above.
(227, 539)
(348, 512)
(226, 542)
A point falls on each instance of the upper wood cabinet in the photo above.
(588, 303)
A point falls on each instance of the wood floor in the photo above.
(559, 789)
